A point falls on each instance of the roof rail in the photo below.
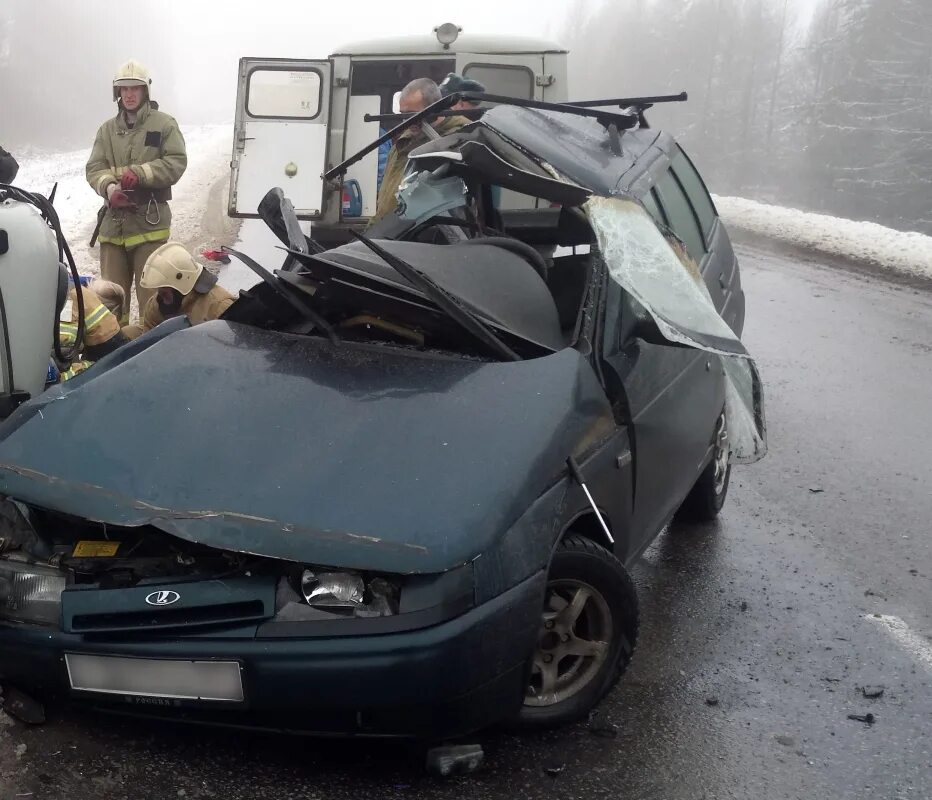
(613, 121)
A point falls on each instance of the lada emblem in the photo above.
(163, 597)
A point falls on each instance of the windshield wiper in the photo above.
(448, 303)
(292, 295)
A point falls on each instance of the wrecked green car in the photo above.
(396, 489)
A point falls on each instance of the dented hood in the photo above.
(290, 447)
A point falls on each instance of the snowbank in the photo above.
(198, 208)
(908, 253)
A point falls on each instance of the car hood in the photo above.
(291, 447)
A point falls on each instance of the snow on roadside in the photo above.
(908, 253)
(198, 207)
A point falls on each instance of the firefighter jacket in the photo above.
(101, 330)
(197, 307)
(398, 161)
(155, 150)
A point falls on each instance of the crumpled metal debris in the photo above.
(458, 759)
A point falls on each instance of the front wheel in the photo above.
(589, 625)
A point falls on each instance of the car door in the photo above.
(669, 396)
(280, 137)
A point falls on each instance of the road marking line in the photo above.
(911, 642)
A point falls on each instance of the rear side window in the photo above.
(698, 195)
(650, 203)
(507, 80)
(283, 94)
(679, 214)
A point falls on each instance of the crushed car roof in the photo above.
(499, 286)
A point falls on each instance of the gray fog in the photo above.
(824, 105)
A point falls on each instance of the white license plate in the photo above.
(151, 677)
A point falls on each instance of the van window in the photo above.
(698, 195)
(283, 93)
(386, 78)
(508, 80)
(680, 214)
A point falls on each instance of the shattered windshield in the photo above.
(641, 260)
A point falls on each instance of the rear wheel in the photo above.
(707, 497)
(588, 629)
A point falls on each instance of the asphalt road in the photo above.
(758, 631)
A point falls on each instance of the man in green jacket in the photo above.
(137, 157)
(416, 96)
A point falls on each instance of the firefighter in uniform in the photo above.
(103, 307)
(181, 287)
(137, 157)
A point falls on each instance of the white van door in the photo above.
(514, 76)
(280, 138)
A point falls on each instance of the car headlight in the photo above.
(316, 593)
(319, 593)
(30, 593)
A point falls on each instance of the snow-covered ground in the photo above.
(867, 242)
(198, 208)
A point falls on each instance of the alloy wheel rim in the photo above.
(721, 457)
(573, 643)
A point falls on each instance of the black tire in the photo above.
(581, 564)
(707, 497)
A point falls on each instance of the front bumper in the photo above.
(446, 680)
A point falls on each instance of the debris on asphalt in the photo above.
(816, 489)
(869, 719)
(872, 692)
(711, 701)
(744, 605)
(20, 750)
(22, 706)
(554, 771)
(601, 727)
(458, 759)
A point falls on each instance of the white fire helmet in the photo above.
(171, 267)
(132, 73)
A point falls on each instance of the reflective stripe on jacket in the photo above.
(155, 150)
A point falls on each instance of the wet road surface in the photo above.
(757, 631)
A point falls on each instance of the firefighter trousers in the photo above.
(123, 265)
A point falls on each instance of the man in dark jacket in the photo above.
(8, 167)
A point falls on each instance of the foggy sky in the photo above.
(193, 58)
(213, 37)
(193, 51)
